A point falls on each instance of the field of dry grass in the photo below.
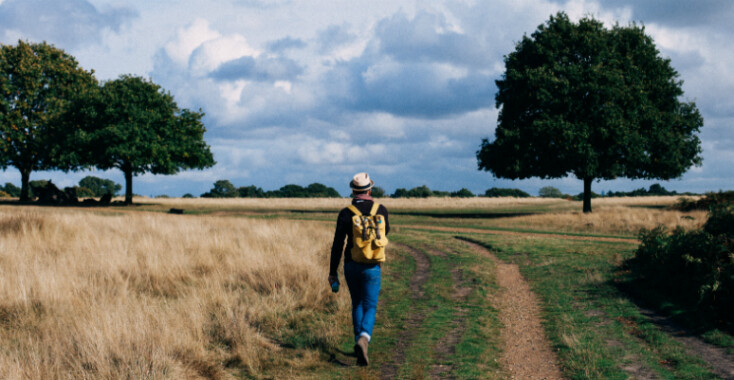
(607, 219)
(435, 203)
(148, 295)
(112, 293)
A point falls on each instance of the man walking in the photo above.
(363, 279)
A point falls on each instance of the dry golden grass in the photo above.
(285, 204)
(433, 203)
(608, 220)
(147, 295)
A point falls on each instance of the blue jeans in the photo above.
(363, 281)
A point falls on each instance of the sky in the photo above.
(305, 91)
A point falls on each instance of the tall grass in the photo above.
(146, 295)
(614, 219)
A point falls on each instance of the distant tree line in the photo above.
(225, 189)
(653, 190)
(425, 192)
(88, 187)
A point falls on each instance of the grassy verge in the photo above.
(598, 332)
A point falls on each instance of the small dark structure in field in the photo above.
(50, 194)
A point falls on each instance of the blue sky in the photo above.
(303, 91)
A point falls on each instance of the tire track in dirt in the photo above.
(415, 318)
(526, 353)
(516, 233)
(446, 346)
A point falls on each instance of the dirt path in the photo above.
(415, 318)
(526, 353)
(515, 233)
(722, 364)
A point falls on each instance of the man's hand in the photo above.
(332, 278)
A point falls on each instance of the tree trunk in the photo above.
(25, 188)
(587, 194)
(128, 186)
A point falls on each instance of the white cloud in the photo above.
(324, 152)
(188, 39)
(213, 52)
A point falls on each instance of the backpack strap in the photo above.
(375, 206)
(355, 210)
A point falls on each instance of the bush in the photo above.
(378, 192)
(550, 192)
(416, 192)
(83, 192)
(188, 195)
(697, 267)
(12, 190)
(99, 186)
(222, 189)
(3, 194)
(498, 192)
(250, 192)
(463, 193)
(36, 185)
(580, 196)
(655, 189)
(705, 203)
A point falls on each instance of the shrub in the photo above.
(550, 192)
(655, 189)
(83, 192)
(250, 192)
(12, 190)
(697, 267)
(498, 192)
(416, 192)
(188, 195)
(3, 194)
(222, 189)
(705, 203)
(463, 193)
(378, 192)
(99, 186)
(580, 196)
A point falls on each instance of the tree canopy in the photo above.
(133, 125)
(37, 83)
(99, 186)
(580, 99)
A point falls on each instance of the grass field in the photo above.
(237, 289)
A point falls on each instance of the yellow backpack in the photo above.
(368, 236)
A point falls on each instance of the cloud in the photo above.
(410, 90)
(677, 13)
(264, 4)
(258, 69)
(334, 37)
(429, 38)
(67, 23)
(286, 43)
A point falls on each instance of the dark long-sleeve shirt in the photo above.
(344, 230)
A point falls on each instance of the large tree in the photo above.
(580, 99)
(37, 83)
(133, 125)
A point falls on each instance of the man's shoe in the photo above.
(360, 349)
